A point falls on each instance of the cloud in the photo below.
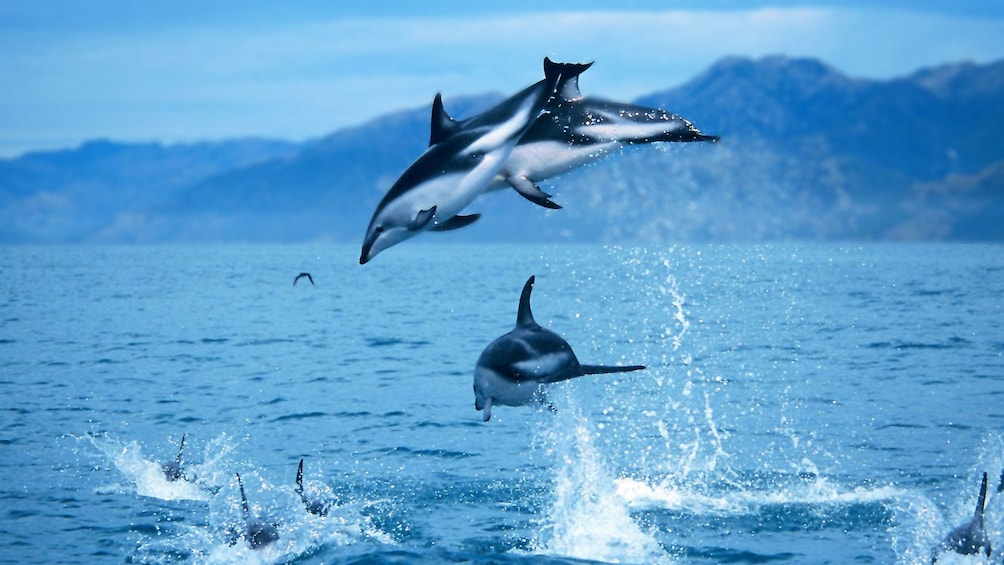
(305, 78)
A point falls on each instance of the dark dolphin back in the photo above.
(524, 318)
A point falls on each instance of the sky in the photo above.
(189, 70)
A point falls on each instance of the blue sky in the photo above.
(189, 70)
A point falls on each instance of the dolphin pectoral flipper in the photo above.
(422, 218)
(455, 223)
(529, 190)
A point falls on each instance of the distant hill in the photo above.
(806, 153)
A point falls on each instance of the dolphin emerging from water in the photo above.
(969, 538)
(516, 368)
(257, 532)
(172, 469)
(431, 192)
(313, 505)
(573, 131)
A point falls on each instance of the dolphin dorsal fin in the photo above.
(180, 449)
(524, 318)
(244, 499)
(299, 478)
(981, 502)
(442, 125)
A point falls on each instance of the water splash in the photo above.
(586, 519)
(146, 477)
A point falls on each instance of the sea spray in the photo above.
(585, 518)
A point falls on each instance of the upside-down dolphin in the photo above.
(516, 368)
(449, 175)
(257, 532)
(969, 538)
(172, 469)
(313, 505)
(573, 131)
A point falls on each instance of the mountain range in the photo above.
(807, 153)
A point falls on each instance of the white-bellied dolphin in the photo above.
(313, 505)
(573, 131)
(449, 175)
(516, 368)
(172, 469)
(257, 532)
(969, 538)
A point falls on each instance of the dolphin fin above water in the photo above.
(314, 506)
(258, 533)
(173, 469)
(969, 538)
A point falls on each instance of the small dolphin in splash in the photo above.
(969, 538)
(313, 505)
(573, 131)
(172, 469)
(449, 175)
(516, 368)
(258, 533)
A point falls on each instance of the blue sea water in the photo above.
(802, 403)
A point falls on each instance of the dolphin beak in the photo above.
(364, 256)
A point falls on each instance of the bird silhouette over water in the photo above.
(301, 275)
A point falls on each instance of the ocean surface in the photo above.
(802, 403)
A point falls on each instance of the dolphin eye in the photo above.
(477, 156)
(378, 229)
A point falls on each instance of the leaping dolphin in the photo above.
(572, 132)
(302, 275)
(969, 538)
(449, 175)
(516, 368)
(313, 505)
(172, 469)
(258, 533)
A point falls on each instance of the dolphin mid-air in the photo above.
(313, 505)
(516, 368)
(450, 174)
(172, 469)
(257, 532)
(573, 131)
(969, 538)
(303, 275)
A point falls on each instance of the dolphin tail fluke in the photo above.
(604, 369)
(982, 501)
(244, 499)
(563, 78)
(299, 478)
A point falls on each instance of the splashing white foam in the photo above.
(146, 476)
(587, 519)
